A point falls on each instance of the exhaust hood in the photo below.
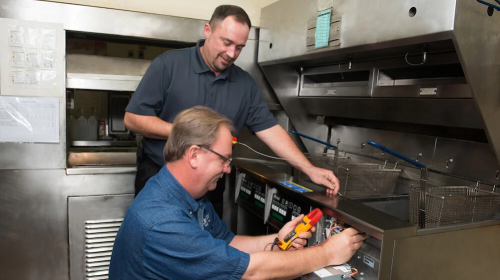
(424, 63)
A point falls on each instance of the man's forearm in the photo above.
(282, 145)
(285, 264)
(252, 244)
(149, 126)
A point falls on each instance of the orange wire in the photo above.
(330, 234)
(267, 245)
(354, 272)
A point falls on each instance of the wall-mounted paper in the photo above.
(32, 58)
(29, 119)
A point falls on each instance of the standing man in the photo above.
(171, 230)
(205, 75)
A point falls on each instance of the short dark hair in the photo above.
(223, 11)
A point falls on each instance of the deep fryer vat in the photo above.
(452, 205)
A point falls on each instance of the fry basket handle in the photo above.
(384, 149)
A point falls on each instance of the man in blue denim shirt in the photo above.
(172, 232)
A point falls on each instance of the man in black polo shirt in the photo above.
(205, 75)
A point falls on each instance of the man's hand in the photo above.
(299, 242)
(332, 181)
(280, 142)
(341, 247)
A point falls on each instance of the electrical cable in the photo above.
(276, 241)
(353, 272)
(290, 245)
(331, 231)
(289, 160)
(267, 245)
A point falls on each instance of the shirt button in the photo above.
(191, 212)
(212, 94)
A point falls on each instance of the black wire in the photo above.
(289, 245)
(274, 243)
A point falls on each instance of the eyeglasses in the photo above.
(227, 160)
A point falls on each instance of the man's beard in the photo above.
(224, 66)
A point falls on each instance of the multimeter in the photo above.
(306, 224)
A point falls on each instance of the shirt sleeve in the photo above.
(259, 117)
(148, 98)
(180, 249)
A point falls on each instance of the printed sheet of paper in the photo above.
(32, 60)
(29, 119)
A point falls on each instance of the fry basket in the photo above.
(367, 180)
(357, 180)
(452, 205)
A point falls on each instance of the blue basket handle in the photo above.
(384, 149)
(313, 139)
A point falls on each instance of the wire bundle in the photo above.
(353, 272)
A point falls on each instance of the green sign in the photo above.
(323, 28)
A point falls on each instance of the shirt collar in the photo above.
(199, 65)
(176, 189)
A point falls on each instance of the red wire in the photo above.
(330, 234)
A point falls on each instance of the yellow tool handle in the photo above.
(302, 227)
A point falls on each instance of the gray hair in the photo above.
(195, 126)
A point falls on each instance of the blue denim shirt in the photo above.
(166, 234)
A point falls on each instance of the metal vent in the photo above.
(99, 239)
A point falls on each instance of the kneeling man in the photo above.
(171, 230)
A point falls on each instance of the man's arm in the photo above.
(149, 126)
(282, 144)
(253, 244)
(290, 264)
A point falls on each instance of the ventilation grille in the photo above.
(99, 239)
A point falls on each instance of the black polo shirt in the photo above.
(180, 79)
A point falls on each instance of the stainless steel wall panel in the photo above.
(469, 159)
(284, 80)
(352, 138)
(34, 218)
(428, 256)
(248, 62)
